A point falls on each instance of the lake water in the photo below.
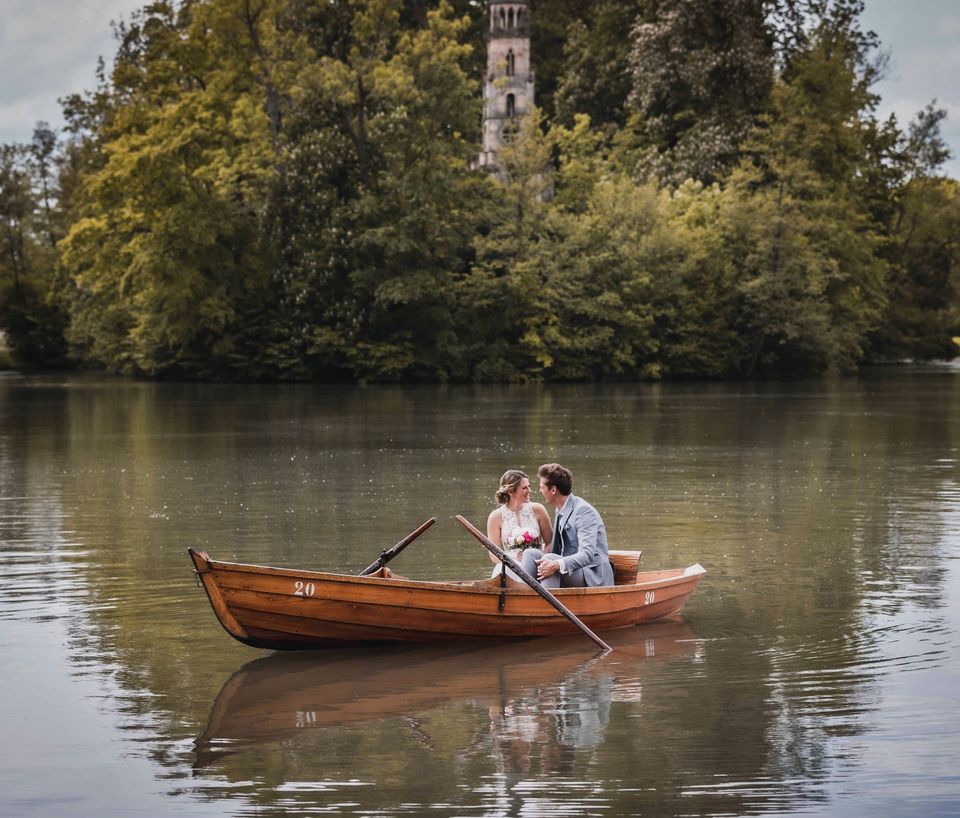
(815, 671)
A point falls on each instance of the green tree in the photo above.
(599, 279)
(695, 299)
(801, 238)
(701, 72)
(920, 213)
(595, 76)
(43, 150)
(561, 286)
(379, 196)
(28, 314)
(922, 319)
(16, 210)
(167, 236)
(276, 189)
(503, 306)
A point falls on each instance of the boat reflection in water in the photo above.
(530, 688)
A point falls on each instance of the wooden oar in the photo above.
(513, 565)
(390, 553)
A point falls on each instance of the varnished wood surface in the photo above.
(291, 609)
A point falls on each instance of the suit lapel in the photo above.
(562, 519)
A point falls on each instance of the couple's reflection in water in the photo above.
(539, 731)
(521, 708)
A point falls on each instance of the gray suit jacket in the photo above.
(584, 542)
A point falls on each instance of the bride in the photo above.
(517, 524)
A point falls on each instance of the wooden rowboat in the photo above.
(287, 609)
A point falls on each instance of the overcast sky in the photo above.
(49, 48)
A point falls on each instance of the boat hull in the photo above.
(284, 609)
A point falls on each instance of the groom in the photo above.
(579, 557)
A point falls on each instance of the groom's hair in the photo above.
(557, 476)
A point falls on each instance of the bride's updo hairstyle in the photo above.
(509, 483)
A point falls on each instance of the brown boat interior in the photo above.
(626, 569)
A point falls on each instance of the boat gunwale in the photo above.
(483, 586)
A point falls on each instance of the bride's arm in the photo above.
(546, 530)
(493, 532)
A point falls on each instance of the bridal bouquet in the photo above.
(523, 538)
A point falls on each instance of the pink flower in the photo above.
(523, 537)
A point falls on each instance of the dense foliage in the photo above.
(274, 189)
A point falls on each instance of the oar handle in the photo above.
(513, 565)
(390, 553)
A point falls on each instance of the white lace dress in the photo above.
(510, 521)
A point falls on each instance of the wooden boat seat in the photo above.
(386, 573)
(626, 566)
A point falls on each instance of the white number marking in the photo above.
(301, 589)
(306, 718)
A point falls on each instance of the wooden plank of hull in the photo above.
(261, 607)
(281, 628)
(269, 621)
(280, 631)
(461, 601)
(415, 625)
(440, 611)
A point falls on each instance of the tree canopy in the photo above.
(270, 189)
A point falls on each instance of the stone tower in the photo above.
(508, 84)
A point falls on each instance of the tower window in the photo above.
(511, 63)
(510, 19)
(511, 105)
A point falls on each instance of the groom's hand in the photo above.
(546, 568)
